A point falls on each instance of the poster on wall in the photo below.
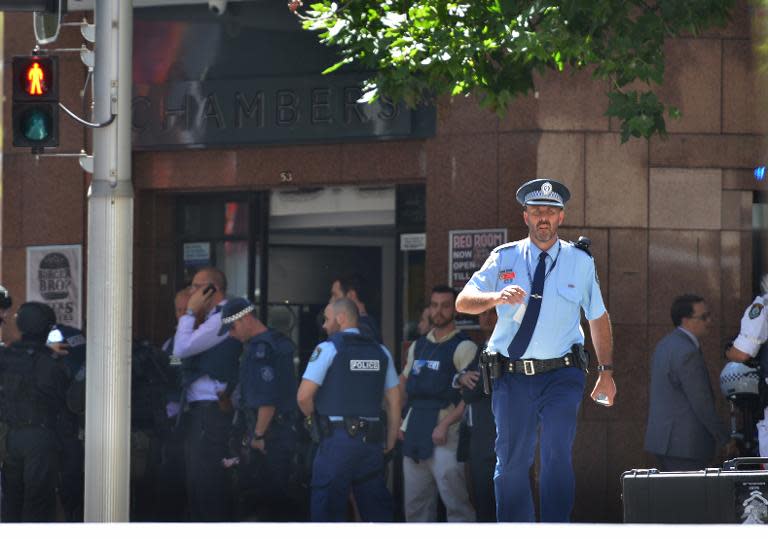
(467, 251)
(54, 276)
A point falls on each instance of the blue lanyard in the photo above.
(528, 267)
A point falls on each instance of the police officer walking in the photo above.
(32, 395)
(341, 393)
(268, 402)
(209, 375)
(538, 286)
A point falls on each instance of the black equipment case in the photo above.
(735, 494)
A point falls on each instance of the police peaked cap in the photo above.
(543, 192)
(35, 318)
(233, 310)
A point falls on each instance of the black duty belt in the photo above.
(536, 366)
(201, 404)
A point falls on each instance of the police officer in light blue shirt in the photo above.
(539, 286)
(344, 384)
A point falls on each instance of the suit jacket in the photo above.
(682, 421)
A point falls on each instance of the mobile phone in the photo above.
(209, 288)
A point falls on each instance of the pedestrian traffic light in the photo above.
(35, 113)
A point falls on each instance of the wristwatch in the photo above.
(602, 368)
(190, 312)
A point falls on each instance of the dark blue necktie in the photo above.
(523, 336)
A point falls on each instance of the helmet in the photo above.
(34, 318)
(739, 380)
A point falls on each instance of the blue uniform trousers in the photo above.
(343, 463)
(523, 405)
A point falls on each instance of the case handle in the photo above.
(737, 463)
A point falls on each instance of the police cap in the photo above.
(234, 309)
(35, 318)
(543, 192)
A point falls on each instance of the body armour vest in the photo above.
(21, 401)
(219, 362)
(266, 373)
(354, 383)
(433, 370)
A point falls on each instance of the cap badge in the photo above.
(546, 188)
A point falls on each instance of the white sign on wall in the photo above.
(54, 276)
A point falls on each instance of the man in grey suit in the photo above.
(683, 425)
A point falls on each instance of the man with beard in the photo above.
(434, 410)
(538, 286)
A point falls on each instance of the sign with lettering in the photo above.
(468, 250)
(54, 276)
(266, 110)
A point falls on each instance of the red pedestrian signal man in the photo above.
(35, 76)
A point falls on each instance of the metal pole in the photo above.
(110, 272)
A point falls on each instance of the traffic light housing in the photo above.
(35, 113)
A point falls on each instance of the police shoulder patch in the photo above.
(755, 310)
(261, 350)
(267, 374)
(315, 354)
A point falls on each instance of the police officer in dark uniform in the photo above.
(268, 402)
(341, 394)
(69, 344)
(478, 416)
(209, 376)
(33, 386)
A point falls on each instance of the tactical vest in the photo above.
(219, 362)
(433, 370)
(354, 383)
(269, 355)
(21, 402)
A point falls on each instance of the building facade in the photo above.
(244, 158)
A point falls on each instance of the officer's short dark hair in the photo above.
(352, 281)
(444, 289)
(682, 307)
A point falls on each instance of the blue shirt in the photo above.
(570, 286)
(323, 356)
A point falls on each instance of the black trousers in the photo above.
(482, 464)
(209, 484)
(269, 487)
(30, 474)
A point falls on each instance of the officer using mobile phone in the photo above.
(209, 375)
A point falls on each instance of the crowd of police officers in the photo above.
(221, 429)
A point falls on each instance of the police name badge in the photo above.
(507, 275)
(755, 310)
(364, 365)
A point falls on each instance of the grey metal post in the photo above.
(110, 272)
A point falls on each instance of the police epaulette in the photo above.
(582, 244)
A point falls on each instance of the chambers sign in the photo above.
(267, 110)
